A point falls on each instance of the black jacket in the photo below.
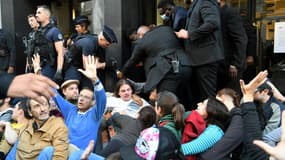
(156, 49)
(204, 44)
(234, 37)
(252, 131)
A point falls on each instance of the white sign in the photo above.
(279, 37)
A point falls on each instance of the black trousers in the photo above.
(177, 84)
(204, 80)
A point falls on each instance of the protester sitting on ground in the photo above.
(89, 110)
(196, 138)
(230, 143)
(124, 100)
(271, 108)
(170, 113)
(147, 117)
(44, 135)
(123, 130)
(84, 119)
(11, 130)
(70, 90)
(153, 143)
(251, 121)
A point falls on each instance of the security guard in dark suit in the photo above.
(235, 42)
(203, 42)
(165, 63)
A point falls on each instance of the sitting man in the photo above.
(271, 108)
(84, 119)
(44, 137)
(70, 91)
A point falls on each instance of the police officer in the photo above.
(30, 41)
(49, 44)
(83, 44)
(88, 44)
(7, 53)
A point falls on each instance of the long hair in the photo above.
(218, 113)
(169, 104)
(119, 84)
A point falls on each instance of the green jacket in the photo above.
(168, 122)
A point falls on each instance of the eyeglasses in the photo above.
(85, 97)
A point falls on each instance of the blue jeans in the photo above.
(77, 154)
(45, 154)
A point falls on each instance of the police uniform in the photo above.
(84, 44)
(45, 38)
(87, 44)
(108, 75)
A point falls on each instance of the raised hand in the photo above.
(90, 71)
(36, 63)
(249, 89)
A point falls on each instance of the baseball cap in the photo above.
(153, 144)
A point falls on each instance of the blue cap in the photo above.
(109, 35)
(81, 19)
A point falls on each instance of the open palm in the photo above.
(90, 71)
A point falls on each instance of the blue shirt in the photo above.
(83, 127)
(211, 135)
(87, 44)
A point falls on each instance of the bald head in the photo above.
(142, 30)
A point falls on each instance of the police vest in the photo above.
(45, 47)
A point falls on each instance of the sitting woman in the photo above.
(196, 138)
(124, 100)
(170, 113)
(230, 144)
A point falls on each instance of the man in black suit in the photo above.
(165, 63)
(235, 42)
(203, 42)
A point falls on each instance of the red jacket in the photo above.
(194, 126)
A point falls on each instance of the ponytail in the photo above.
(178, 113)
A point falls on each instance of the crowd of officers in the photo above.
(190, 59)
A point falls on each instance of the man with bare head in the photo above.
(165, 63)
(49, 44)
(44, 136)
